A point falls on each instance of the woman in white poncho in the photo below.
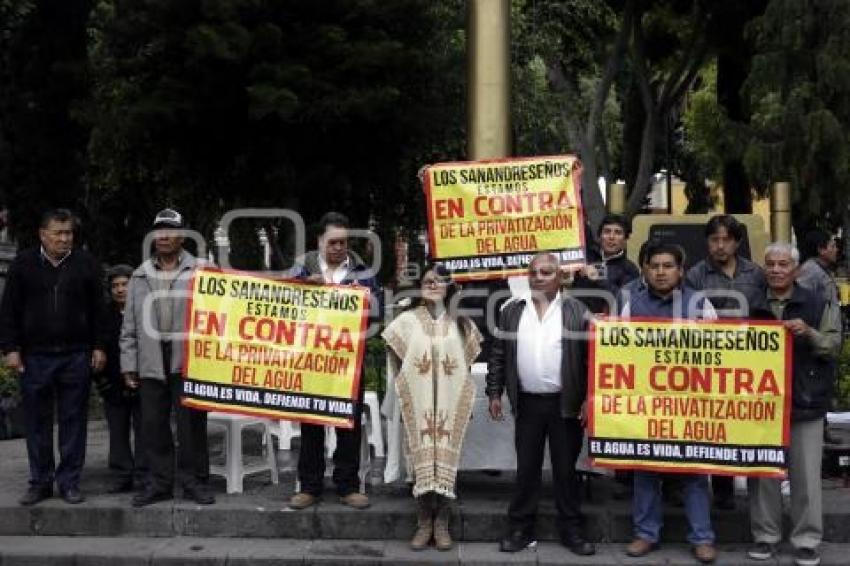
(431, 351)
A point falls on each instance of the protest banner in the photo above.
(274, 348)
(690, 397)
(486, 219)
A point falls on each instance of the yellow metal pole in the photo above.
(780, 212)
(489, 91)
(615, 200)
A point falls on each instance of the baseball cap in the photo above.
(168, 218)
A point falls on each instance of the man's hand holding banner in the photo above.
(279, 349)
(692, 397)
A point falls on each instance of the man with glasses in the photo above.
(539, 356)
(53, 333)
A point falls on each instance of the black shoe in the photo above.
(578, 545)
(762, 551)
(72, 495)
(149, 496)
(35, 494)
(121, 486)
(516, 541)
(199, 493)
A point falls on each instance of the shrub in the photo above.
(842, 386)
(10, 386)
(374, 366)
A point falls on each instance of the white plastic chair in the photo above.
(285, 431)
(372, 424)
(234, 469)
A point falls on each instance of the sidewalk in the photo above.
(261, 552)
(256, 527)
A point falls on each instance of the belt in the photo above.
(541, 395)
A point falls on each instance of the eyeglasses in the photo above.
(545, 272)
(435, 282)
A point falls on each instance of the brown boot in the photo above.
(424, 523)
(442, 538)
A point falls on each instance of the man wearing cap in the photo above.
(121, 404)
(333, 263)
(152, 360)
(52, 333)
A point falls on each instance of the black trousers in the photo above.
(62, 380)
(723, 487)
(124, 417)
(538, 418)
(346, 457)
(158, 398)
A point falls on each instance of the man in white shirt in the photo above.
(539, 356)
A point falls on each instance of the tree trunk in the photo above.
(737, 195)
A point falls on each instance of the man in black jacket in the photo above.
(609, 269)
(539, 356)
(333, 263)
(815, 329)
(52, 333)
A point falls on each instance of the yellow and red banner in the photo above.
(274, 348)
(486, 219)
(690, 397)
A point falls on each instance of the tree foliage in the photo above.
(118, 108)
(217, 104)
(43, 76)
(799, 94)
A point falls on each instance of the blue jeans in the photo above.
(648, 513)
(63, 379)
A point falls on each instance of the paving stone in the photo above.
(481, 553)
(399, 552)
(238, 519)
(346, 552)
(549, 554)
(262, 552)
(195, 551)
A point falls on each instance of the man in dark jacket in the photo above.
(817, 275)
(52, 333)
(609, 269)
(120, 403)
(333, 263)
(613, 233)
(816, 333)
(539, 356)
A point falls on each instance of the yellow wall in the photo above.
(679, 202)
